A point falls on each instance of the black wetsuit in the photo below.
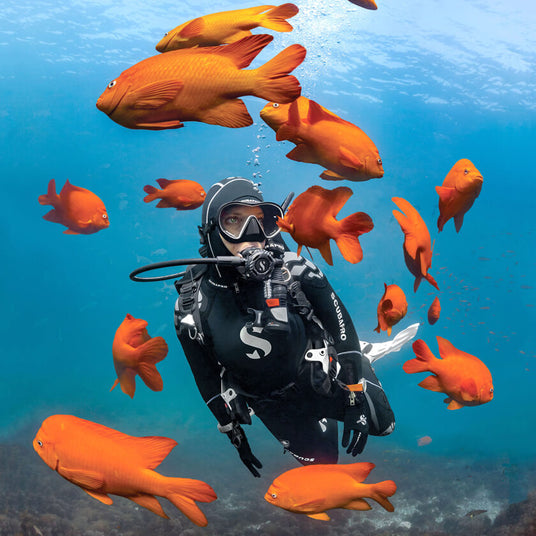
(268, 369)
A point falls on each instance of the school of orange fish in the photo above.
(199, 76)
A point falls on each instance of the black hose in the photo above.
(224, 261)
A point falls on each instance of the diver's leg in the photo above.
(382, 421)
(307, 438)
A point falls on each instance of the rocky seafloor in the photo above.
(435, 497)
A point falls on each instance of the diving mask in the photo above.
(246, 222)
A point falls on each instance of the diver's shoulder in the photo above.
(302, 268)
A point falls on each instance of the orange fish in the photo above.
(181, 194)
(461, 376)
(135, 352)
(311, 222)
(313, 489)
(423, 441)
(391, 309)
(434, 311)
(367, 4)
(323, 138)
(200, 84)
(458, 192)
(417, 246)
(103, 461)
(227, 27)
(80, 210)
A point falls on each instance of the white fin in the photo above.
(375, 350)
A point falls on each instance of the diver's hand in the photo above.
(356, 427)
(239, 440)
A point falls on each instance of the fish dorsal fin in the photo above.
(349, 159)
(358, 471)
(156, 94)
(337, 197)
(68, 187)
(445, 194)
(446, 348)
(243, 52)
(164, 182)
(321, 517)
(194, 28)
(317, 113)
(153, 449)
(82, 477)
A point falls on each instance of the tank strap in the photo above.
(187, 315)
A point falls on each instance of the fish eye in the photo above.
(465, 171)
(112, 84)
(39, 442)
(379, 161)
(274, 495)
(105, 216)
(166, 34)
(491, 390)
(275, 105)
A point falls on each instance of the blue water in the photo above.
(429, 81)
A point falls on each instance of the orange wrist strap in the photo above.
(355, 387)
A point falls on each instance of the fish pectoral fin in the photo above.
(358, 504)
(151, 503)
(89, 480)
(468, 389)
(286, 132)
(329, 175)
(349, 159)
(230, 113)
(156, 94)
(70, 231)
(284, 225)
(432, 384)
(102, 497)
(453, 404)
(302, 153)
(321, 517)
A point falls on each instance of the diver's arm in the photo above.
(206, 373)
(354, 367)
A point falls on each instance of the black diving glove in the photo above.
(356, 427)
(239, 440)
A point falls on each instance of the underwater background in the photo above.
(430, 82)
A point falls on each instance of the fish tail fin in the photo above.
(422, 361)
(351, 228)
(275, 19)
(183, 492)
(382, 490)
(273, 82)
(153, 350)
(152, 193)
(51, 197)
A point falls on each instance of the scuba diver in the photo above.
(270, 337)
